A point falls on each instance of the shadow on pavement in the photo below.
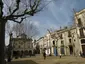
(22, 62)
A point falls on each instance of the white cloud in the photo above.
(36, 23)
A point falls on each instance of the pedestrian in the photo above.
(60, 55)
(30, 53)
(21, 54)
(44, 55)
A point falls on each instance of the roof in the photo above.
(80, 12)
(65, 29)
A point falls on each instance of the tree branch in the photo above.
(30, 3)
(36, 6)
(32, 6)
(13, 19)
(31, 12)
(25, 13)
(17, 7)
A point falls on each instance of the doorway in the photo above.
(83, 49)
(71, 49)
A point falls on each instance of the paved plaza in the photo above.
(49, 60)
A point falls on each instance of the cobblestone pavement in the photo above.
(54, 60)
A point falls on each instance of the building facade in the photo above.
(80, 23)
(22, 44)
(66, 41)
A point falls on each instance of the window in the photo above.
(81, 32)
(62, 43)
(82, 41)
(74, 40)
(53, 42)
(84, 31)
(21, 43)
(79, 22)
(28, 46)
(69, 40)
(13, 46)
(69, 34)
(19, 46)
(61, 36)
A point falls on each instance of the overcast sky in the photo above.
(57, 13)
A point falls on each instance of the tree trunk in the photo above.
(2, 42)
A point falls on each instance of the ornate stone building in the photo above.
(22, 44)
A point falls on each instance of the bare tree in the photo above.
(17, 11)
(18, 29)
(31, 30)
(27, 28)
